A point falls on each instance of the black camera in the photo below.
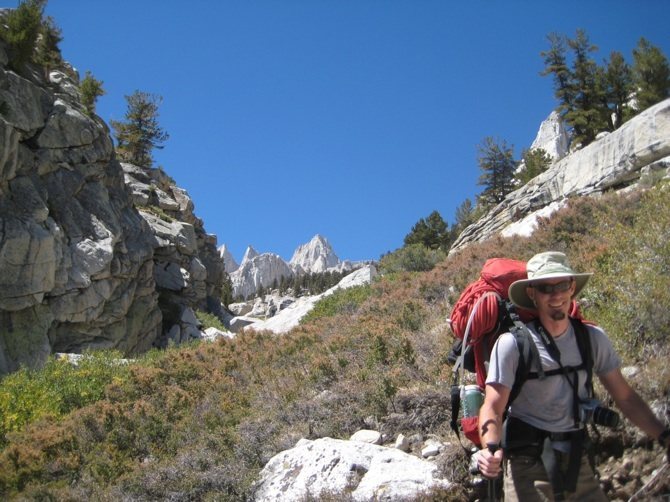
(591, 410)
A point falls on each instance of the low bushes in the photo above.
(201, 421)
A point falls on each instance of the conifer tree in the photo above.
(580, 89)
(20, 30)
(91, 89)
(432, 232)
(651, 74)
(587, 115)
(140, 133)
(226, 290)
(47, 52)
(497, 165)
(555, 62)
(463, 217)
(618, 89)
(536, 161)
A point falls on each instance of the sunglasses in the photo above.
(547, 289)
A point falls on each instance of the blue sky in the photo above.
(348, 118)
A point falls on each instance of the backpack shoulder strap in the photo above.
(585, 350)
(527, 353)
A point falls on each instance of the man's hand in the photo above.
(489, 463)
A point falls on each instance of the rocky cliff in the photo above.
(637, 152)
(81, 265)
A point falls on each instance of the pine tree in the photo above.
(580, 89)
(536, 161)
(651, 74)
(140, 133)
(587, 117)
(555, 62)
(618, 88)
(226, 290)
(463, 217)
(91, 89)
(47, 52)
(20, 29)
(497, 165)
(432, 232)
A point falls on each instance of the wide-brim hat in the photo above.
(543, 266)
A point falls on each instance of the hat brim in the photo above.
(519, 297)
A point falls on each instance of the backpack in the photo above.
(481, 314)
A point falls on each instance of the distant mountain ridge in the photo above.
(265, 269)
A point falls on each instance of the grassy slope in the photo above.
(197, 423)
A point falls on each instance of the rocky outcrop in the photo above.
(639, 151)
(81, 266)
(552, 137)
(76, 257)
(364, 471)
(187, 266)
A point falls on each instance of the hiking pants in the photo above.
(526, 481)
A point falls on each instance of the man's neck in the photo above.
(555, 327)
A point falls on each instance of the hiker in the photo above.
(543, 440)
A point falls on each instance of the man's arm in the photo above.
(631, 404)
(490, 427)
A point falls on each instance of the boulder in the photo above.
(367, 436)
(361, 470)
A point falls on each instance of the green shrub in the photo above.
(30, 37)
(209, 320)
(56, 389)
(342, 301)
(47, 52)
(20, 30)
(631, 289)
(411, 258)
(200, 421)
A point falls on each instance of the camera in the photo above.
(591, 410)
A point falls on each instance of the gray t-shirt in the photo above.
(547, 404)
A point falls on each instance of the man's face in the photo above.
(552, 297)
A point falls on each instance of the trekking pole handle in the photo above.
(492, 490)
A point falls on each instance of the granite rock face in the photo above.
(80, 266)
(187, 268)
(637, 152)
(76, 256)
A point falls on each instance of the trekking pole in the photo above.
(493, 447)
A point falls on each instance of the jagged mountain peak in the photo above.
(315, 256)
(229, 263)
(249, 254)
(264, 269)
